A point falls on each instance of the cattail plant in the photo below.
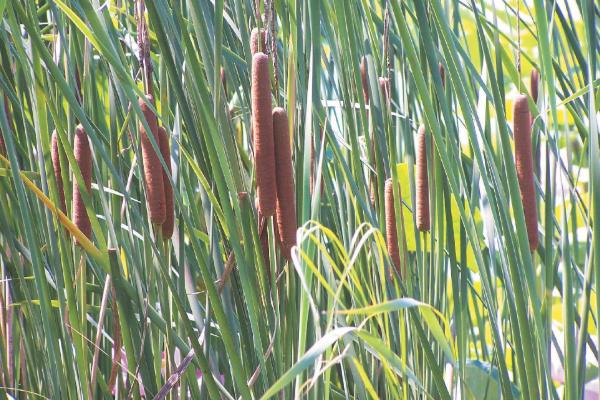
(390, 224)
(83, 157)
(169, 224)
(153, 171)
(55, 153)
(364, 78)
(422, 197)
(384, 85)
(254, 41)
(262, 124)
(524, 165)
(286, 197)
(533, 85)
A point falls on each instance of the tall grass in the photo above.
(464, 309)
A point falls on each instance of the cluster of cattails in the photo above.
(158, 187)
(390, 225)
(524, 165)
(272, 155)
(83, 157)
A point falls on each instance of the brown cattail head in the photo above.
(55, 153)
(286, 197)
(364, 78)
(534, 84)
(442, 72)
(224, 80)
(169, 224)
(262, 125)
(83, 157)
(391, 233)
(254, 45)
(524, 165)
(384, 85)
(422, 197)
(153, 171)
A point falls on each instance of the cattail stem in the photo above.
(390, 225)
(286, 197)
(153, 171)
(422, 197)
(169, 224)
(262, 123)
(55, 153)
(524, 166)
(83, 157)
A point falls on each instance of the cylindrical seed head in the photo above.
(55, 153)
(286, 196)
(534, 85)
(83, 157)
(422, 188)
(165, 151)
(364, 78)
(262, 124)
(384, 85)
(254, 45)
(524, 166)
(153, 172)
(391, 233)
(442, 72)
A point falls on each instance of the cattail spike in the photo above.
(169, 224)
(286, 197)
(254, 45)
(262, 124)
(534, 84)
(364, 78)
(153, 171)
(55, 153)
(390, 225)
(83, 157)
(422, 198)
(384, 85)
(524, 165)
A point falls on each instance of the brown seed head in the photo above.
(254, 47)
(286, 197)
(422, 197)
(384, 85)
(83, 157)
(364, 78)
(262, 124)
(524, 165)
(390, 225)
(153, 171)
(165, 151)
(55, 153)
(535, 79)
(442, 72)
